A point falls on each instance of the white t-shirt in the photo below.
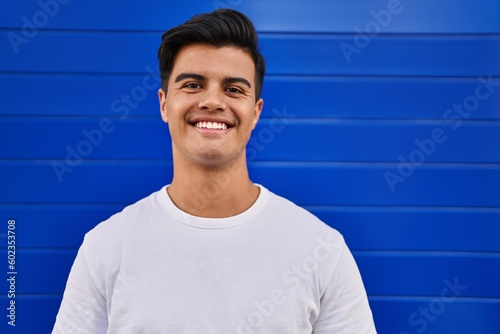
(274, 268)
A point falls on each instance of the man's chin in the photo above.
(215, 159)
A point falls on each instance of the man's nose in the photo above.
(212, 99)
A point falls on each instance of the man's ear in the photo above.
(162, 97)
(258, 109)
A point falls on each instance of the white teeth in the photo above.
(211, 125)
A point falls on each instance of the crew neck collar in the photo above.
(213, 223)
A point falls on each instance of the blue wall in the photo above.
(388, 119)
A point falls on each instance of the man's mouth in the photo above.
(211, 125)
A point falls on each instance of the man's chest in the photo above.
(223, 297)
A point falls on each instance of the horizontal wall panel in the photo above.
(362, 184)
(136, 95)
(85, 52)
(384, 273)
(364, 228)
(395, 55)
(96, 138)
(303, 183)
(107, 182)
(379, 97)
(421, 274)
(53, 226)
(332, 140)
(460, 315)
(277, 15)
(282, 139)
(83, 94)
(429, 229)
(81, 52)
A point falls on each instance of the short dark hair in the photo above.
(222, 27)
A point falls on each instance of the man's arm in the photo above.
(83, 308)
(344, 305)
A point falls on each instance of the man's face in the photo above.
(210, 104)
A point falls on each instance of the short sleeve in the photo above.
(83, 308)
(344, 305)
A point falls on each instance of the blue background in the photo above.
(71, 70)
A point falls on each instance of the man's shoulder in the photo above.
(297, 217)
(127, 219)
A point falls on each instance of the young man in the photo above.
(213, 252)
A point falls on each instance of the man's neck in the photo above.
(212, 192)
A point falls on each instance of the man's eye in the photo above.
(234, 90)
(192, 85)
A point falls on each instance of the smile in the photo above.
(211, 125)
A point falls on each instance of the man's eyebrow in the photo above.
(194, 76)
(226, 80)
(231, 80)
